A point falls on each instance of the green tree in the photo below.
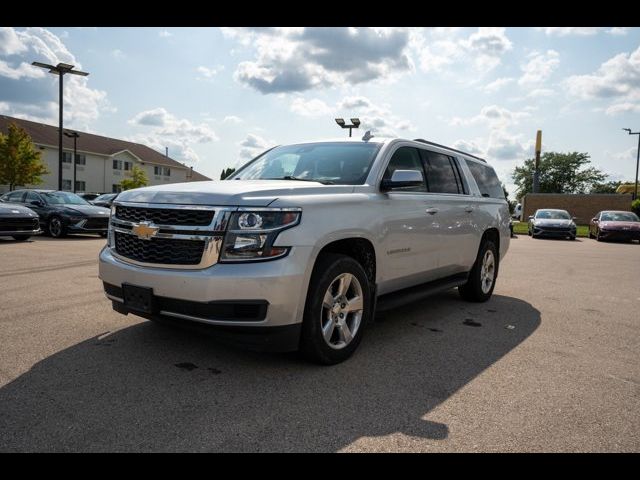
(511, 203)
(20, 163)
(606, 187)
(138, 179)
(559, 173)
(226, 172)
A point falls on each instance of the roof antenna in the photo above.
(367, 136)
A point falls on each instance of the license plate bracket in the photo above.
(137, 298)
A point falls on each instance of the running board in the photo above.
(419, 292)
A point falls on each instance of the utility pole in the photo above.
(61, 69)
(536, 170)
(75, 136)
(635, 190)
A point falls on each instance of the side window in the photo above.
(442, 174)
(31, 197)
(15, 197)
(486, 179)
(405, 158)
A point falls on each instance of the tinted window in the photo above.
(31, 197)
(14, 196)
(406, 158)
(553, 214)
(442, 176)
(486, 179)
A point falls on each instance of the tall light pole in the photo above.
(536, 168)
(74, 135)
(635, 190)
(355, 123)
(61, 69)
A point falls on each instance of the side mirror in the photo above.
(574, 218)
(403, 178)
(530, 217)
(594, 220)
(37, 203)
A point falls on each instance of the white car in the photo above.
(297, 249)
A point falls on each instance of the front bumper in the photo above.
(88, 225)
(620, 234)
(187, 296)
(10, 226)
(553, 233)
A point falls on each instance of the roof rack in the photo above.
(421, 140)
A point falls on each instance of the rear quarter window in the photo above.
(487, 180)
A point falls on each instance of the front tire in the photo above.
(337, 309)
(482, 278)
(56, 228)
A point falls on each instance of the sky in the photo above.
(216, 97)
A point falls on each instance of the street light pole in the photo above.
(635, 190)
(355, 123)
(75, 136)
(61, 69)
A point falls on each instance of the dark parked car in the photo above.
(62, 212)
(549, 222)
(105, 200)
(89, 196)
(18, 221)
(615, 225)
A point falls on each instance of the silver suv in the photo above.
(299, 247)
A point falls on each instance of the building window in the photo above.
(66, 157)
(66, 185)
(116, 188)
(128, 165)
(81, 159)
(166, 171)
(81, 186)
(117, 164)
(157, 170)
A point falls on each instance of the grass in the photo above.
(520, 228)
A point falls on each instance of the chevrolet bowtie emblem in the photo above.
(144, 230)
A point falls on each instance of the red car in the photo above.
(615, 225)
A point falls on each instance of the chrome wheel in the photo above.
(55, 227)
(487, 272)
(342, 308)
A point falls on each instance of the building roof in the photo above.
(43, 134)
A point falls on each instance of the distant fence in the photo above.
(582, 206)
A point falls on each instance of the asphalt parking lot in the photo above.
(550, 363)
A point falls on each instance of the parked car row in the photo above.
(606, 225)
(58, 213)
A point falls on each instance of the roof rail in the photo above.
(421, 140)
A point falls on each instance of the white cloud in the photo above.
(541, 92)
(617, 79)
(167, 124)
(492, 116)
(565, 31)
(232, 119)
(310, 108)
(618, 31)
(299, 59)
(498, 84)
(33, 98)
(623, 107)
(252, 146)
(165, 34)
(209, 72)
(539, 68)
(118, 54)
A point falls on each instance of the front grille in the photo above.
(552, 228)
(19, 224)
(159, 250)
(165, 216)
(97, 223)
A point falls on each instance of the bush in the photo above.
(635, 206)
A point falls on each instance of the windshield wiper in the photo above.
(291, 177)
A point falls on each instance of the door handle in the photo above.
(468, 208)
(432, 211)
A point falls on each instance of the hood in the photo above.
(255, 193)
(91, 210)
(10, 209)
(551, 221)
(626, 225)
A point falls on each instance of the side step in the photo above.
(400, 298)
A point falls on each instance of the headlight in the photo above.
(251, 234)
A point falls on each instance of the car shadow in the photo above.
(150, 387)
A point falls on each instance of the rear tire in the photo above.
(337, 310)
(482, 278)
(21, 238)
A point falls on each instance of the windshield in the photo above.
(619, 217)
(328, 162)
(63, 198)
(553, 214)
